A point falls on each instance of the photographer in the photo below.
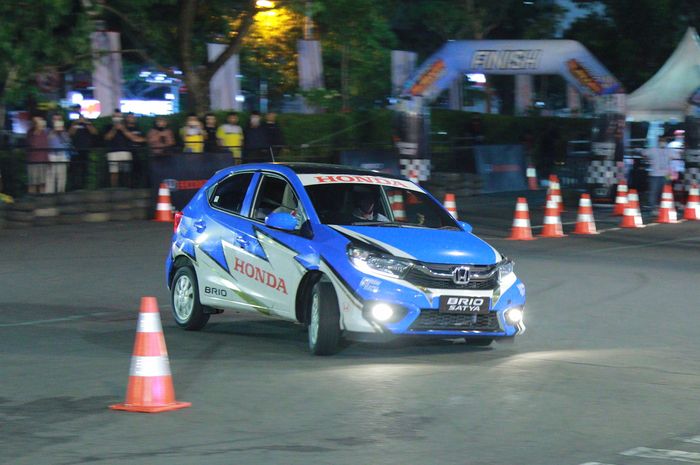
(119, 146)
(81, 133)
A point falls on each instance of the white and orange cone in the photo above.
(531, 174)
(521, 230)
(150, 388)
(667, 209)
(552, 221)
(164, 209)
(632, 217)
(397, 206)
(692, 207)
(555, 192)
(451, 205)
(585, 223)
(620, 198)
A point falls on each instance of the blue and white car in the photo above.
(346, 252)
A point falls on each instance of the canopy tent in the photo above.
(665, 95)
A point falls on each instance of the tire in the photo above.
(188, 312)
(324, 319)
(478, 341)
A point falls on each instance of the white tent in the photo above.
(665, 95)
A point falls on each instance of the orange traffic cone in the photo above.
(667, 209)
(164, 209)
(521, 230)
(451, 205)
(555, 192)
(585, 223)
(531, 174)
(552, 222)
(397, 206)
(692, 208)
(620, 198)
(632, 218)
(150, 388)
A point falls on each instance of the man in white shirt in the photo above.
(659, 171)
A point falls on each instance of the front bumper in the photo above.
(419, 310)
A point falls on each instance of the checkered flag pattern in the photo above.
(604, 172)
(415, 169)
(691, 176)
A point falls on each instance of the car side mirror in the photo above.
(282, 221)
(465, 226)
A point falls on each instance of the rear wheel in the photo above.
(184, 296)
(323, 319)
(478, 341)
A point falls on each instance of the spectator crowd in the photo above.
(57, 152)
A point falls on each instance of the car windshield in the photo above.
(377, 205)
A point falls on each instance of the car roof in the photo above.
(318, 168)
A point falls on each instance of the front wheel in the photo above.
(324, 319)
(184, 296)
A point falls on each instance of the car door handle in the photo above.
(200, 225)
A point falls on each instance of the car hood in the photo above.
(426, 245)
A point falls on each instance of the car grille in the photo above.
(426, 276)
(432, 319)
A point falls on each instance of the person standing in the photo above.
(160, 137)
(82, 133)
(59, 156)
(230, 136)
(119, 154)
(37, 155)
(274, 133)
(193, 135)
(137, 144)
(659, 171)
(211, 144)
(256, 146)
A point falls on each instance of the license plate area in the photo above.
(462, 305)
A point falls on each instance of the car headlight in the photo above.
(377, 263)
(505, 268)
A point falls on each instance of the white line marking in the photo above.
(663, 454)
(53, 320)
(691, 440)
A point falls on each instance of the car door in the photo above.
(265, 263)
(222, 228)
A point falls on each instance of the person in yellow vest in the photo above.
(230, 136)
(193, 135)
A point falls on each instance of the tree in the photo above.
(635, 37)
(166, 32)
(32, 43)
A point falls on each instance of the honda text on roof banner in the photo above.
(346, 252)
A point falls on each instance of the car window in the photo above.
(277, 195)
(230, 193)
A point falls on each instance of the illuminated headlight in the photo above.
(381, 312)
(514, 315)
(375, 263)
(505, 268)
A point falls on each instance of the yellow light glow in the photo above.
(264, 4)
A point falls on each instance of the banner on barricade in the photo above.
(185, 173)
(502, 167)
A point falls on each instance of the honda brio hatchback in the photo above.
(345, 252)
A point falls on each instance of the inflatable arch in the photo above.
(567, 58)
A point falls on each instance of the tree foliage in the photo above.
(36, 37)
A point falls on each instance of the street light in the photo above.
(264, 4)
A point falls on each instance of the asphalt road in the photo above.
(607, 372)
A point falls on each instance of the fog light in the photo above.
(514, 316)
(382, 312)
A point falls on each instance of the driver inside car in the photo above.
(366, 210)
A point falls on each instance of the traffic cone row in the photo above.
(620, 198)
(397, 206)
(451, 205)
(667, 209)
(692, 208)
(164, 208)
(632, 217)
(150, 388)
